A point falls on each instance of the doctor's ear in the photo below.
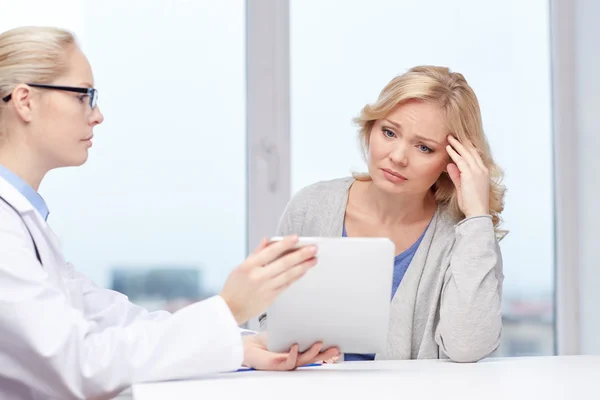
(21, 101)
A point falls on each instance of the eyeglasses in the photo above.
(90, 92)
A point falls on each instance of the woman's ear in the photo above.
(22, 101)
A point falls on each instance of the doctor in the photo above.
(60, 335)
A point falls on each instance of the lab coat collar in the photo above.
(28, 213)
(15, 198)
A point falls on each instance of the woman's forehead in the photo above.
(80, 69)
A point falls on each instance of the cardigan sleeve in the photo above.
(470, 323)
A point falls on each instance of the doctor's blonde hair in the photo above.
(451, 92)
(32, 54)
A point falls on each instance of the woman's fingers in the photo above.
(290, 362)
(468, 152)
(454, 174)
(460, 162)
(331, 355)
(477, 158)
(309, 355)
(459, 148)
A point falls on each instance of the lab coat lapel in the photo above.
(47, 242)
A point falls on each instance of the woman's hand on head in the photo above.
(470, 177)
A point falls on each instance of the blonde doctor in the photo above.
(60, 335)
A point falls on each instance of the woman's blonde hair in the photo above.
(32, 54)
(451, 92)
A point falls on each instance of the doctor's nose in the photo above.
(97, 117)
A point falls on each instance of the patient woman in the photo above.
(433, 188)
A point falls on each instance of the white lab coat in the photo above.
(63, 337)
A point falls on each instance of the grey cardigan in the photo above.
(448, 303)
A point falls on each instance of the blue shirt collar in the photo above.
(23, 187)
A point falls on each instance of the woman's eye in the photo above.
(388, 133)
(82, 97)
(424, 148)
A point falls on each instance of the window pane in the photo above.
(345, 53)
(159, 210)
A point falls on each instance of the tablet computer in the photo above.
(344, 301)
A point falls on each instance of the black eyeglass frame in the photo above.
(90, 92)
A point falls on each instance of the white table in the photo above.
(531, 378)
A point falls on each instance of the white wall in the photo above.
(64, 13)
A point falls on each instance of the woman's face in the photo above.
(62, 123)
(407, 149)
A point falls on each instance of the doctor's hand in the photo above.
(258, 357)
(271, 268)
